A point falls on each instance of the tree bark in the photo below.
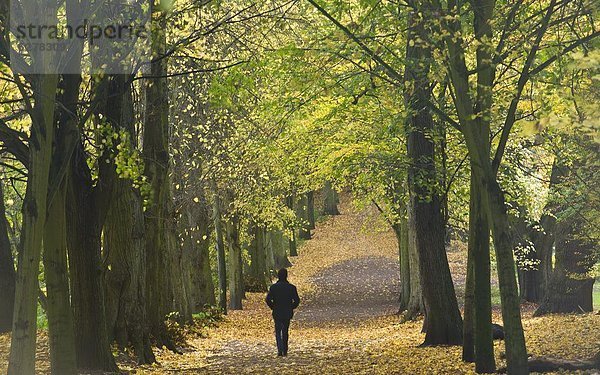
(280, 258)
(258, 271)
(292, 245)
(195, 235)
(534, 282)
(401, 231)
(235, 264)
(303, 215)
(22, 350)
(330, 200)
(444, 323)
(7, 271)
(468, 348)
(164, 282)
(60, 317)
(84, 245)
(415, 302)
(473, 117)
(125, 279)
(310, 202)
(221, 260)
(570, 288)
(479, 247)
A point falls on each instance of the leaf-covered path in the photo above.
(346, 324)
(347, 277)
(348, 282)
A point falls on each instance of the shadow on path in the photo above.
(355, 289)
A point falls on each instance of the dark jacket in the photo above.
(282, 299)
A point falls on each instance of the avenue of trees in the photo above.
(127, 200)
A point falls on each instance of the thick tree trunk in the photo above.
(258, 272)
(535, 280)
(83, 244)
(125, 256)
(195, 236)
(221, 260)
(330, 200)
(570, 288)
(235, 265)
(270, 254)
(7, 271)
(60, 316)
(444, 323)
(22, 350)
(280, 258)
(164, 284)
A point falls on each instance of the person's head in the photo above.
(282, 274)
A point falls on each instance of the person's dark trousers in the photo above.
(281, 335)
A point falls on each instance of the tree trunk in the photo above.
(7, 271)
(302, 213)
(401, 231)
(415, 301)
(543, 242)
(310, 201)
(511, 312)
(472, 119)
(330, 200)
(468, 348)
(535, 281)
(22, 350)
(195, 236)
(83, 244)
(479, 248)
(444, 323)
(60, 317)
(125, 256)
(235, 264)
(221, 260)
(258, 271)
(292, 245)
(163, 260)
(270, 254)
(280, 258)
(570, 288)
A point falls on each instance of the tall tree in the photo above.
(443, 320)
(22, 350)
(330, 197)
(220, 245)
(7, 270)
(60, 317)
(162, 260)
(235, 264)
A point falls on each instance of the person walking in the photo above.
(282, 299)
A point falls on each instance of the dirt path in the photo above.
(353, 290)
(347, 279)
